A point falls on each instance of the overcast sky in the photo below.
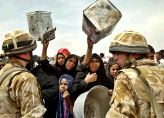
(144, 16)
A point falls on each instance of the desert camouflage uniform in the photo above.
(19, 96)
(130, 99)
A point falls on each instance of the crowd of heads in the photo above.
(126, 48)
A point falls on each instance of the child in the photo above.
(112, 70)
(65, 105)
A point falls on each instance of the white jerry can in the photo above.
(100, 17)
(39, 22)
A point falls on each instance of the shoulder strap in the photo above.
(10, 70)
(156, 107)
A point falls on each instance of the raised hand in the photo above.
(49, 35)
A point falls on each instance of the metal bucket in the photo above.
(93, 103)
(101, 18)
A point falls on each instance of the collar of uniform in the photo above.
(146, 62)
(9, 64)
(15, 62)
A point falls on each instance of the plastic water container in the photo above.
(39, 22)
(100, 17)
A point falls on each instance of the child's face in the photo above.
(114, 70)
(63, 85)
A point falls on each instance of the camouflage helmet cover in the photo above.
(18, 42)
(130, 42)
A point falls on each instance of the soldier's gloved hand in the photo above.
(90, 78)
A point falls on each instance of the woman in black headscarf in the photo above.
(70, 65)
(90, 72)
(90, 75)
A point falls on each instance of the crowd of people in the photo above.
(35, 86)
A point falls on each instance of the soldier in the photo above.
(151, 54)
(19, 90)
(139, 88)
(159, 56)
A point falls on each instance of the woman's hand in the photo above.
(90, 78)
(47, 36)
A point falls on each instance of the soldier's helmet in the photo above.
(18, 42)
(130, 42)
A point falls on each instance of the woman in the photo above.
(90, 76)
(63, 60)
(90, 72)
(70, 65)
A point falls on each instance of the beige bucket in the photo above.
(93, 103)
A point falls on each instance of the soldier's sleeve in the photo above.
(122, 101)
(24, 90)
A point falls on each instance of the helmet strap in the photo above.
(22, 58)
(127, 62)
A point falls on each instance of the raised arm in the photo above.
(45, 42)
(89, 49)
(44, 50)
